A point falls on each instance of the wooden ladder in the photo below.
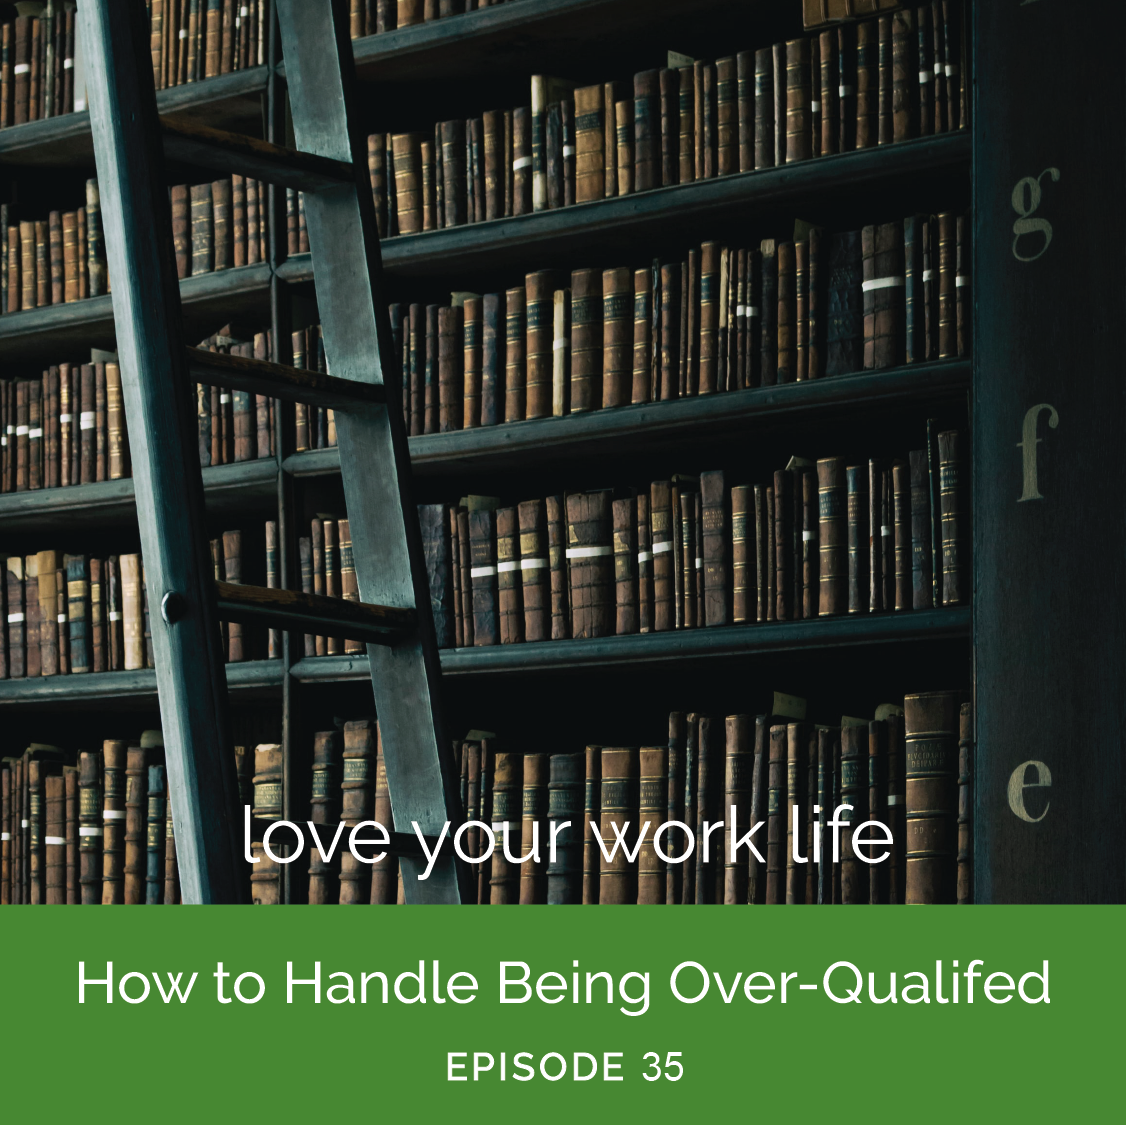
(158, 372)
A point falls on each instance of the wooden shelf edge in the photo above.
(651, 423)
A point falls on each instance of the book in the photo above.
(619, 808)
(113, 820)
(357, 785)
(325, 810)
(565, 803)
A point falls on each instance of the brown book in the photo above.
(921, 560)
(509, 584)
(776, 818)
(717, 599)
(451, 391)
(586, 339)
(905, 68)
(592, 795)
(115, 637)
(884, 295)
(265, 878)
(357, 787)
(901, 517)
(482, 527)
(611, 95)
(932, 724)
(867, 83)
(661, 532)
(727, 116)
(508, 786)
(965, 805)
(875, 539)
(686, 121)
(324, 811)
(783, 540)
(644, 566)
(797, 783)
(625, 565)
(534, 572)
(561, 353)
(90, 827)
(798, 127)
(619, 807)
(493, 349)
(452, 139)
(646, 131)
(221, 224)
(742, 554)
(951, 489)
(589, 136)
(471, 362)
(132, 611)
(652, 794)
(947, 335)
(617, 307)
(6, 841)
(709, 310)
(756, 868)
(854, 792)
(590, 564)
(32, 614)
(522, 161)
(171, 865)
(859, 555)
(113, 819)
(787, 328)
(642, 383)
(515, 377)
(669, 306)
(232, 572)
(534, 832)
(738, 772)
(832, 536)
(465, 566)
(384, 872)
(558, 569)
(117, 435)
(407, 163)
(539, 290)
(430, 377)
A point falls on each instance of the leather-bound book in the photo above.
(742, 566)
(492, 128)
(716, 609)
(430, 388)
(797, 783)
(115, 637)
(752, 365)
(951, 491)
(669, 80)
(539, 289)
(21, 70)
(33, 615)
(155, 832)
(690, 326)
(493, 352)
(267, 782)
(136, 803)
(409, 12)
(832, 536)
(884, 134)
(854, 792)
(476, 172)
(481, 527)
(35, 409)
(858, 539)
(787, 327)
(406, 153)
(876, 808)
(846, 304)
(704, 75)
(947, 336)
(686, 571)
(698, 558)
(925, 59)
(171, 866)
(87, 418)
(932, 721)
(686, 107)
(69, 779)
(55, 258)
(508, 786)
(934, 497)
(90, 827)
(623, 152)
(558, 569)
(921, 585)
(901, 520)
(471, 362)
(265, 877)
(78, 615)
(305, 557)
(203, 229)
(561, 352)
(914, 238)
(565, 803)
(884, 298)
(619, 806)
(435, 525)
(965, 805)
(53, 880)
(764, 552)
(617, 344)
(827, 80)
(905, 68)
(653, 785)
(592, 797)
(810, 546)
(531, 572)
(784, 544)
(669, 306)
(674, 805)
(875, 539)
(809, 816)
(776, 817)
(612, 93)
(586, 339)
(798, 127)
(738, 776)
(709, 311)
(757, 811)
(727, 116)
(47, 563)
(590, 557)
(779, 102)
(521, 161)
(453, 163)
(325, 810)
(451, 389)
(646, 130)
(764, 108)
(385, 872)
(533, 875)
(237, 640)
(117, 435)
(27, 265)
(510, 587)
(221, 224)
(644, 545)
(867, 83)
(801, 310)
(962, 298)
(642, 384)
(952, 35)
(768, 321)
(515, 377)
(824, 889)
(357, 787)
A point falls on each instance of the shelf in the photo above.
(530, 35)
(253, 679)
(546, 237)
(658, 425)
(89, 506)
(229, 100)
(55, 332)
(672, 647)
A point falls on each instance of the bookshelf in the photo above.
(420, 73)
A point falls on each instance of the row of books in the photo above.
(196, 39)
(909, 768)
(369, 17)
(37, 54)
(56, 260)
(92, 827)
(66, 427)
(219, 225)
(889, 535)
(722, 319)
(851, 87)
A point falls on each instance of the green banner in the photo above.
(883, 1014)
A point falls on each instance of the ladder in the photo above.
(157, 373)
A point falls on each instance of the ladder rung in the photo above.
(186, 141)
(294, 384)
(313, 613)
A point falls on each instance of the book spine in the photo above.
(832, 536)
(586, 339)
(798, 126)
(591, 564)
(534, 830)
(452, 139)
(660, 523)
(471, 362)
(854, 792)
(947, 286)
(509, 583)
(738, 774)
(113, 817)
(624, 514)
(515, 376)
(136, 801)
(534, 571)
(652, 795)
(592, 795)
(156, 831)
(825, 866)
(451, 389)
(539, 289)
(669, 82)
(619, 807)
(492, 385)
(507, 818)
(646, 131)
(641, 386)
(557, 568)
(776, 817)
(565, 803)
(436, 546)
(669, 306)
(384, 873)
(482, 538)
(965, 805)
(561, 353)
(357, 791)
(686, 114)
(797, 782)
(465, 566)
(324, 810)
(876, 808)
(951, 490)
(644, 566)
(53, 880)
(90, 827)
(867, 83)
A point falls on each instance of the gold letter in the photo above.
(1017, 786)
(1029, 443)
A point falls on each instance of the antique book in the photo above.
(435, 526)
(407, 164)
(854, 792)
(867, 83)
(876, 808)
(90, 826)
(510, 587)
(54, 839)
(385, 872)
(874, 524)
(586, 339)
(565, 803)
(534, 829)
(589, 134)
(669, 339)
(644, 566)
(764, 108)
(832, 536)
(932, 730)
(561, 353)
(962, 296)
(357, 790)
(652, 797)
(465, 567)
(674, 805)
(641, 389)
(686, 114)
(726, 116)
(947, 336)
(521, 160)
(742, 566)
(921, 585)
(883, 294)
(515, 377)
(797, 783)
(155, 833)
(558, 575)
(171, 867)
(736, 810)
(72, 895)
(113, 819)
(783, 540)
(798, 125)
(823, 895)
(845, 327)
(858, 539)
(951, 491)
(483, 574)
(508, 786)
(661, 532)
(267, 781)
(776, 817)
(646, 130)
(624, 517)
(592, 796)
(901, 526)
(716, 609)
(787, 325)
(965, 805)
(539, 289)
(617, 324)
(619, 807)
(450, 357)
(769, 313)
(590, 558)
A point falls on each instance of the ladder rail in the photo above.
(156, 386)
(386, 540)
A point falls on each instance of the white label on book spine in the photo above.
(807, 536)
(588, 552)
(753, 310)
(568, 150)
(883, 283)
(62, 618)
(644, 556)
(25, 824)
(482, 571)
(86, 420)
(183, 33)
(844, 91)
(815, 105)
(114, 615)
(506, 567)
(951, 69)
(224, 399)
(928, 275)
(21, 431)
(885, 530)
(113, 814)
(961, 280)
(924, 76)
(68, 64)
(55, 840)
(533, 564)
(21, 68)
(3, 440)
(84, 830)
(11, 429)
(36, 433)
(65, 419)
(15, 618)
(661, 548)
(4, 837)
(895, 799)
(521, 162)
(699, 562)
(560, 345)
